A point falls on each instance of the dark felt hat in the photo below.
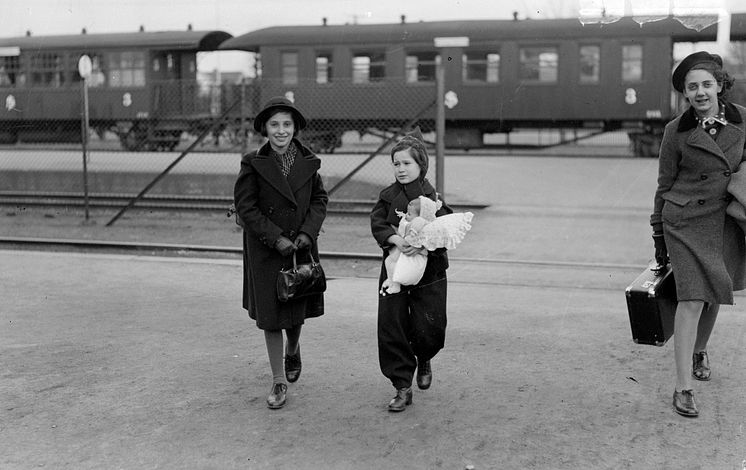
(278, 103)
(679, 74)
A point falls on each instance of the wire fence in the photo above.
(134, 136)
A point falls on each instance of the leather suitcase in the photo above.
(651, 304)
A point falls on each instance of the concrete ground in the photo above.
(137, 361)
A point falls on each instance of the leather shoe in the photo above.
(683, 403)
(424, 375)
(701, 366)
(277, 397)
(401, 400)
(292, 366)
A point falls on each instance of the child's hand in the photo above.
(403, 245)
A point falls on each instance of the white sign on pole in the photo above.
(85, 66)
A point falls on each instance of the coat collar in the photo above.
(306, 164)
(730, 136)
(689, 121)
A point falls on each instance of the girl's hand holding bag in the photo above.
(300, 280)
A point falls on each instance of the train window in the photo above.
(323, 67)
(289, 68)
(9, 71)
(632, 63)
(126, 69)
(47, 70)
(590, 64)
(97, 78)
(538, 64)
(420, 67)
(368, 67)
(481, 67)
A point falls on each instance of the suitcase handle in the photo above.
(659, 269)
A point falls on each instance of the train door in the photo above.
(166, 76)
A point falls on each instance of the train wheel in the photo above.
(134, 139)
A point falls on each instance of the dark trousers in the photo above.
(411, 327)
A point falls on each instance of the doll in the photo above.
(421, 228)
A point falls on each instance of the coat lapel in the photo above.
(701, 140)
(304, 167)
(731, 140)
(270, 171)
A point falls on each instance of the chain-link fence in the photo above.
(133, 136)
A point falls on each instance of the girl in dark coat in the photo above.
(700, 151)
(412, 322)
(281, 204)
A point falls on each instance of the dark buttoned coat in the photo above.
(270, 205)
(706, 246)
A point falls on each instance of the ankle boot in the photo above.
(402, 398)
(424, 375)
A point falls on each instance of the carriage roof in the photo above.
(186, 40)
(476, 30)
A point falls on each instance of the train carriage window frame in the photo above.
(589, 64)
(47, 70)
(480, 67)
(632, 61)
(420, 66)
(368, 67)
(289, 67)
(10, 71)
(324, 67)
(126, 69)
(538, 64)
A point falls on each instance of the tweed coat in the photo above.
(705, 245)
(269, 205)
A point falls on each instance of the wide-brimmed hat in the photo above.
(278, 103)
(679, 74)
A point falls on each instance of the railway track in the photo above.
(104, 245)
(167, 202)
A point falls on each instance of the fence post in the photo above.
(84, 68)
(440, 127)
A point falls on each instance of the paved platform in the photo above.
(137, 362)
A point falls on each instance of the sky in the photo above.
(44, 17)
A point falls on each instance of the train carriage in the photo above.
(506, 75)
(143, 86)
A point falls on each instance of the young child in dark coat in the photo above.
(412, 322)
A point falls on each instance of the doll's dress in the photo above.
(409, 269)
(446, 231)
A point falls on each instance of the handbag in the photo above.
(301, 280)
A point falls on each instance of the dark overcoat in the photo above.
(706, 246)
(269, 205)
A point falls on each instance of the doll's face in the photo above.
(413, 209)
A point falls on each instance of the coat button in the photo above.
(703, 177)
(701, 201)
(726, 173)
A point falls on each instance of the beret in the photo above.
(679, 74)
